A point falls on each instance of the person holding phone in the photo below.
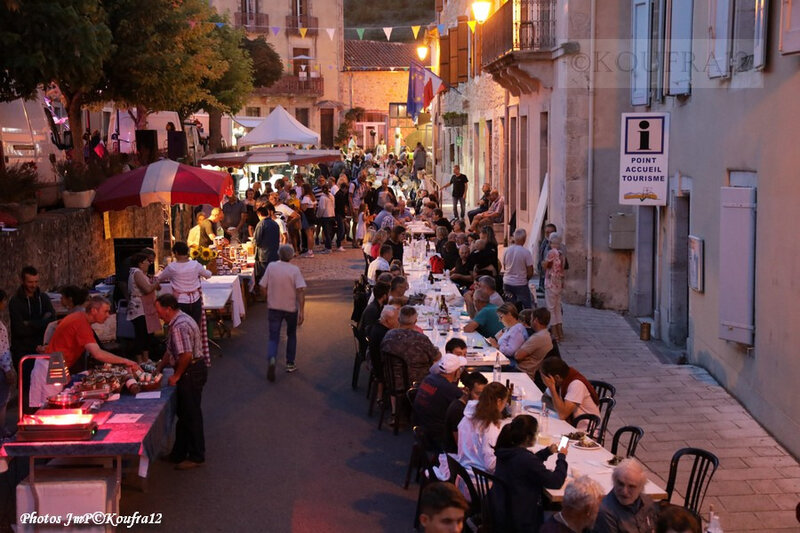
(524, 476)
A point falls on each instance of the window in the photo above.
(398, 110)
(512, 160)
(523, 163)
(300, 61)
(252, 111)
(790, 27)
(640, 66)
(301, 114)
(489, 152)
(299, 8)
(738, 36)
(678, 47)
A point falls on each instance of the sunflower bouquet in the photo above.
(202, 254)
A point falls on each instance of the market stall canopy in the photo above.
(271, 156)
(166, 182)
(279, 128)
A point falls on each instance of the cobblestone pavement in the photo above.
(757, 485)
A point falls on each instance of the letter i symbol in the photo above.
(644, 135)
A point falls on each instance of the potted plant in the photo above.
(80, 182)
(454, 119)
(18, 188)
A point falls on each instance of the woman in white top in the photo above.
(478, 430)
(141, 302)
(326, 216)
(184, 275)
(513, 335)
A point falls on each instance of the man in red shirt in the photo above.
(74, 336)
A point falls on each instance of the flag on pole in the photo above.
(423, 86)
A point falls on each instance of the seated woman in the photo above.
(524, 476)
(513, 335)
(480, 427)
(441, 239)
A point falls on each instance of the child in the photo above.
(442, 508)
(361, 226)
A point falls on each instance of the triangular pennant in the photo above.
(440, 28)
(360, 32)
(220, 24)
(388, 32)
(331, 32)
(192, 23)
(275, 30)
(471, 24)
(302, 31)
(415, 30)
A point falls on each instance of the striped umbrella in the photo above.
(166, 182)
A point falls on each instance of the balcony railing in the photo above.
(294, 23)
(519, 25)
(252, 22)
(294, 85)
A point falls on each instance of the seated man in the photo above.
(440, 220)
(371, 314)
(474, 382)
(74, 336)
(442, 508)
(385, 219)
(571, 392)
(411, 345)
(399, 287)
(493, 215)
(436, 392)
(488, 285)
(578, 508)
(533, 351)
(381, 264)
(462, 271)
(483, 203)
(676, 519)
(485, 321)
(626, 508)
(403, 213)
(388, 321)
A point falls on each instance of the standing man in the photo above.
(267, 239)
(518, 265)
(283, 287)
(30, 311)
(235, 213)
(544, 247)
(186, 355)
(459, 183)
(290, 217)
(209, 228)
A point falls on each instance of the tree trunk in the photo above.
(73, 105)
(141, 117)
(214, 130)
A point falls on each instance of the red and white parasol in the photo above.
(166, 182)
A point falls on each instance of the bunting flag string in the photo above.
(472, 24)
(388, 32)
(331, 32)
(360, 32)
(302, 31)
(415, 30)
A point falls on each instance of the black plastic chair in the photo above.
(361, 344)
(703, 467)
(593, 420)
(457, 471)
(421, 454)
(428, 476)
(396, 383)
(483, 482)
(367, 261)
(636, 433)
(603, 389)
(606, 406)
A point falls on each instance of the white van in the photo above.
(26, 135)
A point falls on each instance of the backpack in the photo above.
(437, 264)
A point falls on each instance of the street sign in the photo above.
(644, 151)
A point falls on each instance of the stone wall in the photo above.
(68, 246)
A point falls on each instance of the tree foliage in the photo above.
(267, 64)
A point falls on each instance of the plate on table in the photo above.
(586, 444)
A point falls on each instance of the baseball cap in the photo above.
(450, 363)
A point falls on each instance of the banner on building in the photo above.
(644, 153)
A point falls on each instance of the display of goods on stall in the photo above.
(231, 260)
(111, 379)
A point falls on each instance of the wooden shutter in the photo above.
(720, 16)
(737, 266)
(453, 56)
(679, 47)
(640, 70)
(463, 49)
(760, 35)
(790, 27)
(439, 5)
(444, 58)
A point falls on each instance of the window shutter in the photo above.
(463, 50)
(760, 35)
(720, 16)
(453, 56)
(679, 49)
(790, 27)
(444, 58)
(439, 5)
(640, 71)
(737, 237)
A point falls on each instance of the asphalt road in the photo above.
(296, 455)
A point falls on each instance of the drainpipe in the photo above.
(590, 163)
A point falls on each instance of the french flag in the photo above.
(423, 85)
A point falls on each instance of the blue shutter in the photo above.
(720, 17)
(679, 47)
(790, 27)
(760, 35)
(640, 71)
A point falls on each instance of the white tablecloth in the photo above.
(581, 462)
(217, 291)
(417, 228)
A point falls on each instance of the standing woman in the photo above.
(325, 215)
(524, 477)
(308, 205)
(250, 206)
(184, 275)
(553, 266)
(341, 208)
(7, 374)
(141, 302)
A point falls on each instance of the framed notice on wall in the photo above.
(696, 263)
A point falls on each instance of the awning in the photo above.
(248, 122)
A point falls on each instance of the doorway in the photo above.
(326, 127)
(678, 303)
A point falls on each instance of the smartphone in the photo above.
(563, 443)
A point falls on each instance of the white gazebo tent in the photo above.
(279, 128)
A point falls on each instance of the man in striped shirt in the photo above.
(186, 355)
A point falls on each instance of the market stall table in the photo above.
(593, 463)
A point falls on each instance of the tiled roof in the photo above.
(379, 55)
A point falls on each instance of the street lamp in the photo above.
(481, 8)
(422, 51)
